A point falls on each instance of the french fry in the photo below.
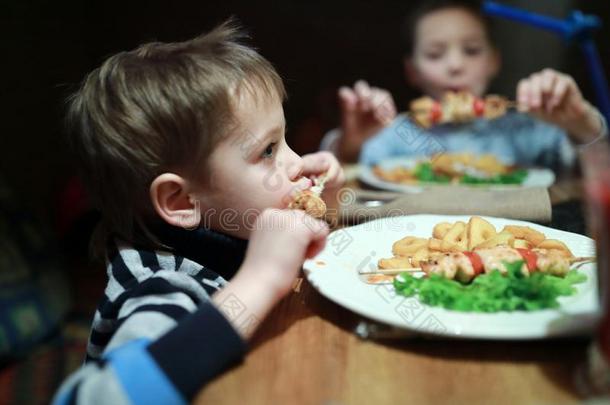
(421, 255)
(441, 229)
(408, 246)
(444, 246)
(396, 262)
(525, 232)
(502, 238)
(478, 231)
(457, 235)
(554, 244)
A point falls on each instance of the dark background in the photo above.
(48, 47)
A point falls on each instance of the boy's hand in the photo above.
(365, 111)
(279, 244)
(555, 97)
(325, 164)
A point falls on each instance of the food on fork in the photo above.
(309, 200)
(457, 107)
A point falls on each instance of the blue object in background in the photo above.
(576, 27)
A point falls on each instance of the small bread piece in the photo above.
(478, 231)
(554, 244)
(309, 202)
(396, 262)
(407, 246)
(503, 238)
(525, 232)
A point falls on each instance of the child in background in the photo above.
(448, 48)
(183, 147)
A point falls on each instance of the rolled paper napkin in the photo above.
(531, 204)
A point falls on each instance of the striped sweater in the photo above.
(156, 338)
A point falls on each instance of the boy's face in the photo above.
(451, 53)
(252, 169)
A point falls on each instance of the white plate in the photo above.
(536, 177)
(334, 273)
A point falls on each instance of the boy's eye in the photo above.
(472, 51)
(433, 55)
(268, 152)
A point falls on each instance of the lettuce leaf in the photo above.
(491, 292)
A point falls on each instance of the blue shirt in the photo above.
(514, 138)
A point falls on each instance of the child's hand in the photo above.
(325, 164)
(365, 111)
(555, 97)
(280, 243)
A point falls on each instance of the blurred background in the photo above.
(316, 46)
(48, 48)
(48, 287)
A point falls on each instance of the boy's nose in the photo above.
(455, 63)
(294, 166)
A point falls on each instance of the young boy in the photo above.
(183, 147)
(448, 48)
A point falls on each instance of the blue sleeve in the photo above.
(169, 370)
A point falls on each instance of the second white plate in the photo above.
(536, 177)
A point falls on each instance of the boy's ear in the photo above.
(411, 72)
(170, 197)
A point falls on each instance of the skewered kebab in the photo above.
(465, 266)
(457, 107)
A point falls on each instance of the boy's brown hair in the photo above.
(160, 107)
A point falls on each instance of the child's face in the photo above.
(252, 169)
(451, 52)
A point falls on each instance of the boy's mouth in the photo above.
(303, 183)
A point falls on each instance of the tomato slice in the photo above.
(530, 257)
(475, 260)
(478, 106)
(436, 112)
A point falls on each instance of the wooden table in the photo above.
(306, 352)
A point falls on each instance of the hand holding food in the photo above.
(310, 201)
(365, 110)
(555, 97)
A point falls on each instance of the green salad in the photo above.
(491, 292)
(425, 173)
